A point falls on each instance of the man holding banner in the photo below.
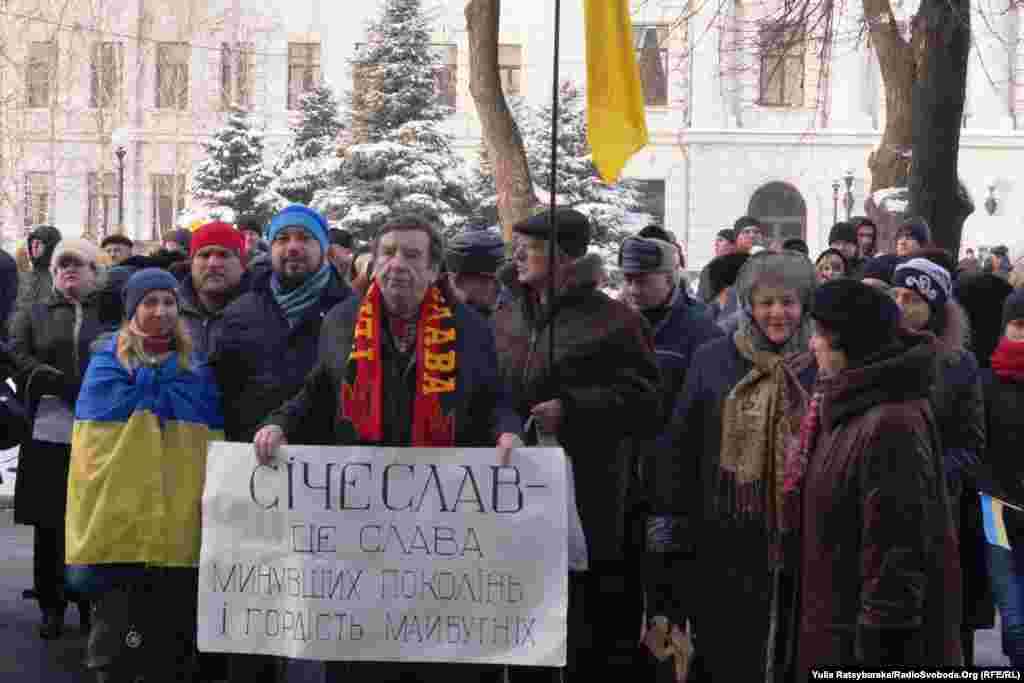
(405, 366)
(602, 388)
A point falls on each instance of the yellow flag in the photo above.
(616, 122)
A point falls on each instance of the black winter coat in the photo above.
(1003, 462)
(8, 290)
(480, 405)
(260, 361)
(606, 375)
(50, 350)
(35, 287)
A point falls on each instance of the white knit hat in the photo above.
(83, 249)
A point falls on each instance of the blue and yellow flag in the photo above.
(616, 119)
(138, 462)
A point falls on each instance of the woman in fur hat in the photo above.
(50, 348)
(879, 567)
(725, 449)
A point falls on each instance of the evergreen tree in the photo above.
(310, 161)
(398, 70)
(403, 160)
(232, 175)
(577, 181)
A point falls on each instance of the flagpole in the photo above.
(553, 217)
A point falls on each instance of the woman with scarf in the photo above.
(147, 409)
(879, 564)
(923, 289)
(50, 350)
(1004, 525)
(733, 422)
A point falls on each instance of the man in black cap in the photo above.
(725, 243)
(867, 237)
(340, 253)
(749, 233)
(602, 389)
(843, 238)
(118, 248)
(473, 258)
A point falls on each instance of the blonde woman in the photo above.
(147, 410)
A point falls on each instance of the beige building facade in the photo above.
(746, 116)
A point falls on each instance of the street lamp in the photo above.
(835, 202)
(120, 152)
(118, 140)
(848, 199)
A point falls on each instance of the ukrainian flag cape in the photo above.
(138, 462)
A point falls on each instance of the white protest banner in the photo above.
(385, 554)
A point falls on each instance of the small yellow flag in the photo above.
(616, 121)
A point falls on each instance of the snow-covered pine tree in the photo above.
(403, 160)
(578, 183)
(309, 162)
(233, 175)
(400, 68)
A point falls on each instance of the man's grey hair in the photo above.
(424, 222)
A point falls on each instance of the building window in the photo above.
(651, 44)
(101, 210)
(172, 76)
(303, 70)
(42, 57)
(510, 69)
(168, 200)
(37, 199)
(236, 75)
(106, 69)
(447, 77)
(782, 66)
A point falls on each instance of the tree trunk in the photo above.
(501, 134)
(889, 162)
(935, 191)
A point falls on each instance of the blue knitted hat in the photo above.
(303, 217)
(142, 283)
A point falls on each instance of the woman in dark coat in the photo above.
(879, 563)
(1004, 527)
(719, 467)
(923, 290)
(50, 348)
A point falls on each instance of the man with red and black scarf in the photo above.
(408, 366)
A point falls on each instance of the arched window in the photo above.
(781, 210)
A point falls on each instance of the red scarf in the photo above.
(1008, 360)
(152, 344)
(436, 371)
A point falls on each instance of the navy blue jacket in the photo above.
(260, 361)
(686, 328)
(481, 406)
(8, 289)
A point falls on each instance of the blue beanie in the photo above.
(303, 217)
(142, 283)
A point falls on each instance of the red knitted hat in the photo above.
(217, 233)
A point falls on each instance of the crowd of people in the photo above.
(794, 464)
